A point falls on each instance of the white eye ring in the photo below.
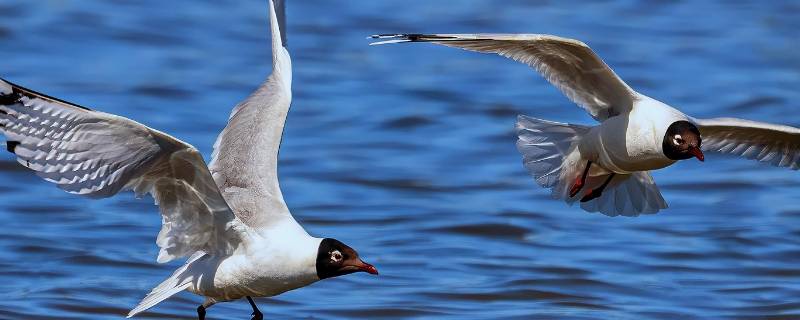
(336, 256)
(678, 139)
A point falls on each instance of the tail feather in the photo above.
(628, 195)
(551, 155)
(546, 146)
(179, 280)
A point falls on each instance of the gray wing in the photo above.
(778, 145)
(245, 159)
(568, 64)
(98, 154)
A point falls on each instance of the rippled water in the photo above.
(407, 153)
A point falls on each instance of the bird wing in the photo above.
(245, 159)
(568, 64)
(97, 154)
(778, 145)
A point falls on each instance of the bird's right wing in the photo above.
(98, 154)
(245, 159)
(778, 145)
(568, 64)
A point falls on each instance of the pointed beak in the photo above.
(366, 267)
(695, 151)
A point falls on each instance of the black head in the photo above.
(335, 258)
(682, 141)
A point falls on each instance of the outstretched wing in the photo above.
(568, 64)
(98, 154)
(778, 145)
(245, 158)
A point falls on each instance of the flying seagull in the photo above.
(606, 167)
(229, 217)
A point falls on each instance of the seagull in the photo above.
(229, 217)
(606, 166)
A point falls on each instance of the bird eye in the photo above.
(678, 139)
(336, 256)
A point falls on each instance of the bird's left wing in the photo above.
(778, 145)
(570, 65)
(245, 159)
(97, 154)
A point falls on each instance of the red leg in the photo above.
(580, 181)
(596, 193)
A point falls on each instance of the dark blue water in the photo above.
(407, 153)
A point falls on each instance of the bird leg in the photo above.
(580, 181)
(201, 312)
(597, 192)
(256, 314)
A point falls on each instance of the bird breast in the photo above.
(264, 268)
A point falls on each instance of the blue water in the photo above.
(407, 153)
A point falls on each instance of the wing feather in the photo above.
(245, 159)
(96, 154)
(568, 64)
(777, 145)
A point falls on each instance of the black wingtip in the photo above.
(398, 36)
(11, 146)
(19, 91)
(9, 98)
(412, 37)
(280, 13)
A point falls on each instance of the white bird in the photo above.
(610, 162)
(229, 217)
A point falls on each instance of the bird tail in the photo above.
(551, 155)
(179, 280)
(549, 151)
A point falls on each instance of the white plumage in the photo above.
(628, 142)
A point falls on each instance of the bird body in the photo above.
(631, 142)
(271, 264)
(607, 166)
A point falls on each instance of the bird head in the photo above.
(335, 258)
(682, 141)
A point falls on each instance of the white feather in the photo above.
(179, 280)
(777, 145)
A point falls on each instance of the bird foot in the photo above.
(257, 316)
(591, 195)
(580, 180)
(576, 187)
(201, 313)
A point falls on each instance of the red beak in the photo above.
(366, 267)
(695, 151)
